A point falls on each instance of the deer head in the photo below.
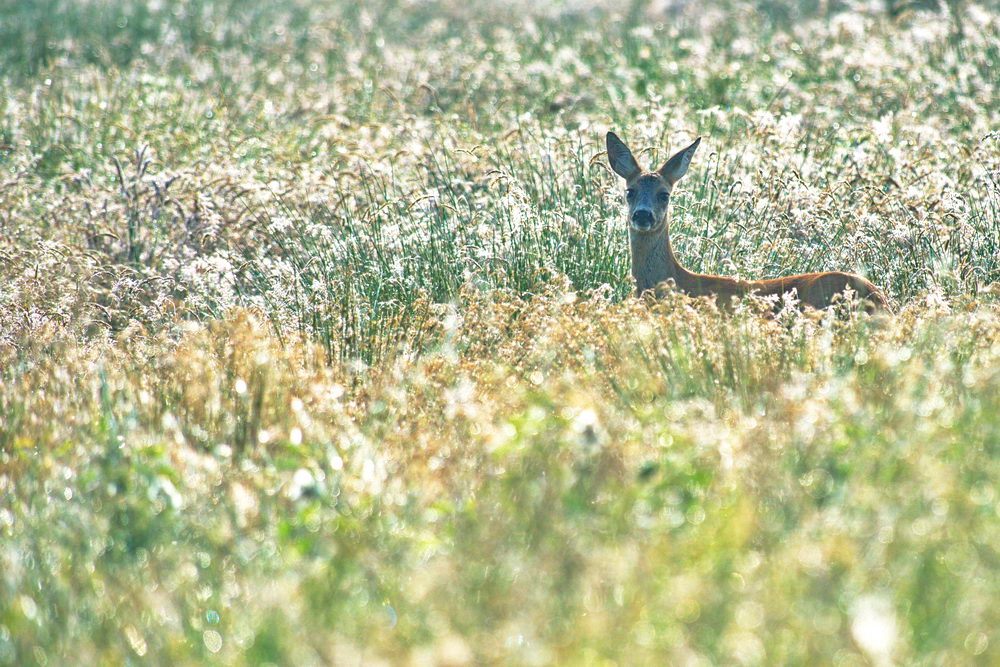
(648, 192)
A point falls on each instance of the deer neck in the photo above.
(653, 260)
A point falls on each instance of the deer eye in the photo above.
(663, 196)
(630, 193)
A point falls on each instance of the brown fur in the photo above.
(818, 290)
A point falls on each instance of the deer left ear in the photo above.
(620, 157)
(675, 167)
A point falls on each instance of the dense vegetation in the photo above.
(316, 342)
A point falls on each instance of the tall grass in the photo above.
(550, 476)
(316, 343)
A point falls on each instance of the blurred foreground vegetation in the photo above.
(316, 344)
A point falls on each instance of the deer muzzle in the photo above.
(642, 219)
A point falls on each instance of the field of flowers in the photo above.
(317, 343)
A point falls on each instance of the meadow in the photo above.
(318, 343)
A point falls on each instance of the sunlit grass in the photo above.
(546, 473)
(316, 343)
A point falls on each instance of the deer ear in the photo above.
(620, 157)
(675, 167)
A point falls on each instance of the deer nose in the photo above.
(642, 219)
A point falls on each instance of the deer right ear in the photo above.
(620, 157)
(675, 167)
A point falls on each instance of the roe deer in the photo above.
(653, 260)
